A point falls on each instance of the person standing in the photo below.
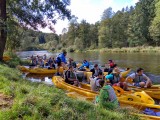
(61, 61)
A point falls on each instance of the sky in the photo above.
(90, 10)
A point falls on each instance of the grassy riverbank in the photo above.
(140, 49)
(39, 101)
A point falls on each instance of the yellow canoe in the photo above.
(139, 100)
(125, 100)
(23, 68)
(6, 58)
(39, 70)
(154, 93)
(125, 73)
(147, 117)
(59, 82)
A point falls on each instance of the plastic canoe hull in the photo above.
(125, 73)
(154, 91)
(147, 117)
(87, 93)
(39, 70)
(23, 68)
(59, 82)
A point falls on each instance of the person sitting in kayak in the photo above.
(115, 77)
(97, 82)
(107, 97)
(61, 61)
(139, 79)
(111, 63)
(84, 64)
(41, 62)
(52, 65)
(95, 70)
(71, 77)
(72, 63)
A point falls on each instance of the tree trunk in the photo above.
(3, 32)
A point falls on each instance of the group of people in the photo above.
(113, 78)
(43, 62)
(98, 81)
(51, 62)
(102, 83)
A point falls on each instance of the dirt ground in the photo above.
(5, 101)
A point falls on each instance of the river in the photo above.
(148, 61)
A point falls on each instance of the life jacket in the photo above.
(94, 71)
(68, 75)
(138, 78)
(111, 64)
(116, 79)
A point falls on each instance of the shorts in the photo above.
(138, 85)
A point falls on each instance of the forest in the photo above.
(130, 27)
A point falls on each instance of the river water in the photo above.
(148, 61)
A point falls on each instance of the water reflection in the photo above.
(47, 78)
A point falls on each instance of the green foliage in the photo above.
(130, 27)
(107, 14)
(155, 25)
(39, 101)
(18, 15)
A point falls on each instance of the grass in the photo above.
(140, 49)
(37, 101)
(15, 60)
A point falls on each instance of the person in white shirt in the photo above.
(97, 82)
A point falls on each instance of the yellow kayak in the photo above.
(125, 73)
(23, 68)
(60, 83)
(39, 70)
(6, 58)
(147, 117)
(139, 100)
(154, 93)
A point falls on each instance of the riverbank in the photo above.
(28, 100)
(140, 49)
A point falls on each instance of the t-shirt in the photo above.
(138, 78)
(94, 82)
(107, 98)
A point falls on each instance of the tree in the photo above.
(42, 39)
(155, 25)
(139, 23)
(108, 13)
(3, 34)
(30, 13)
